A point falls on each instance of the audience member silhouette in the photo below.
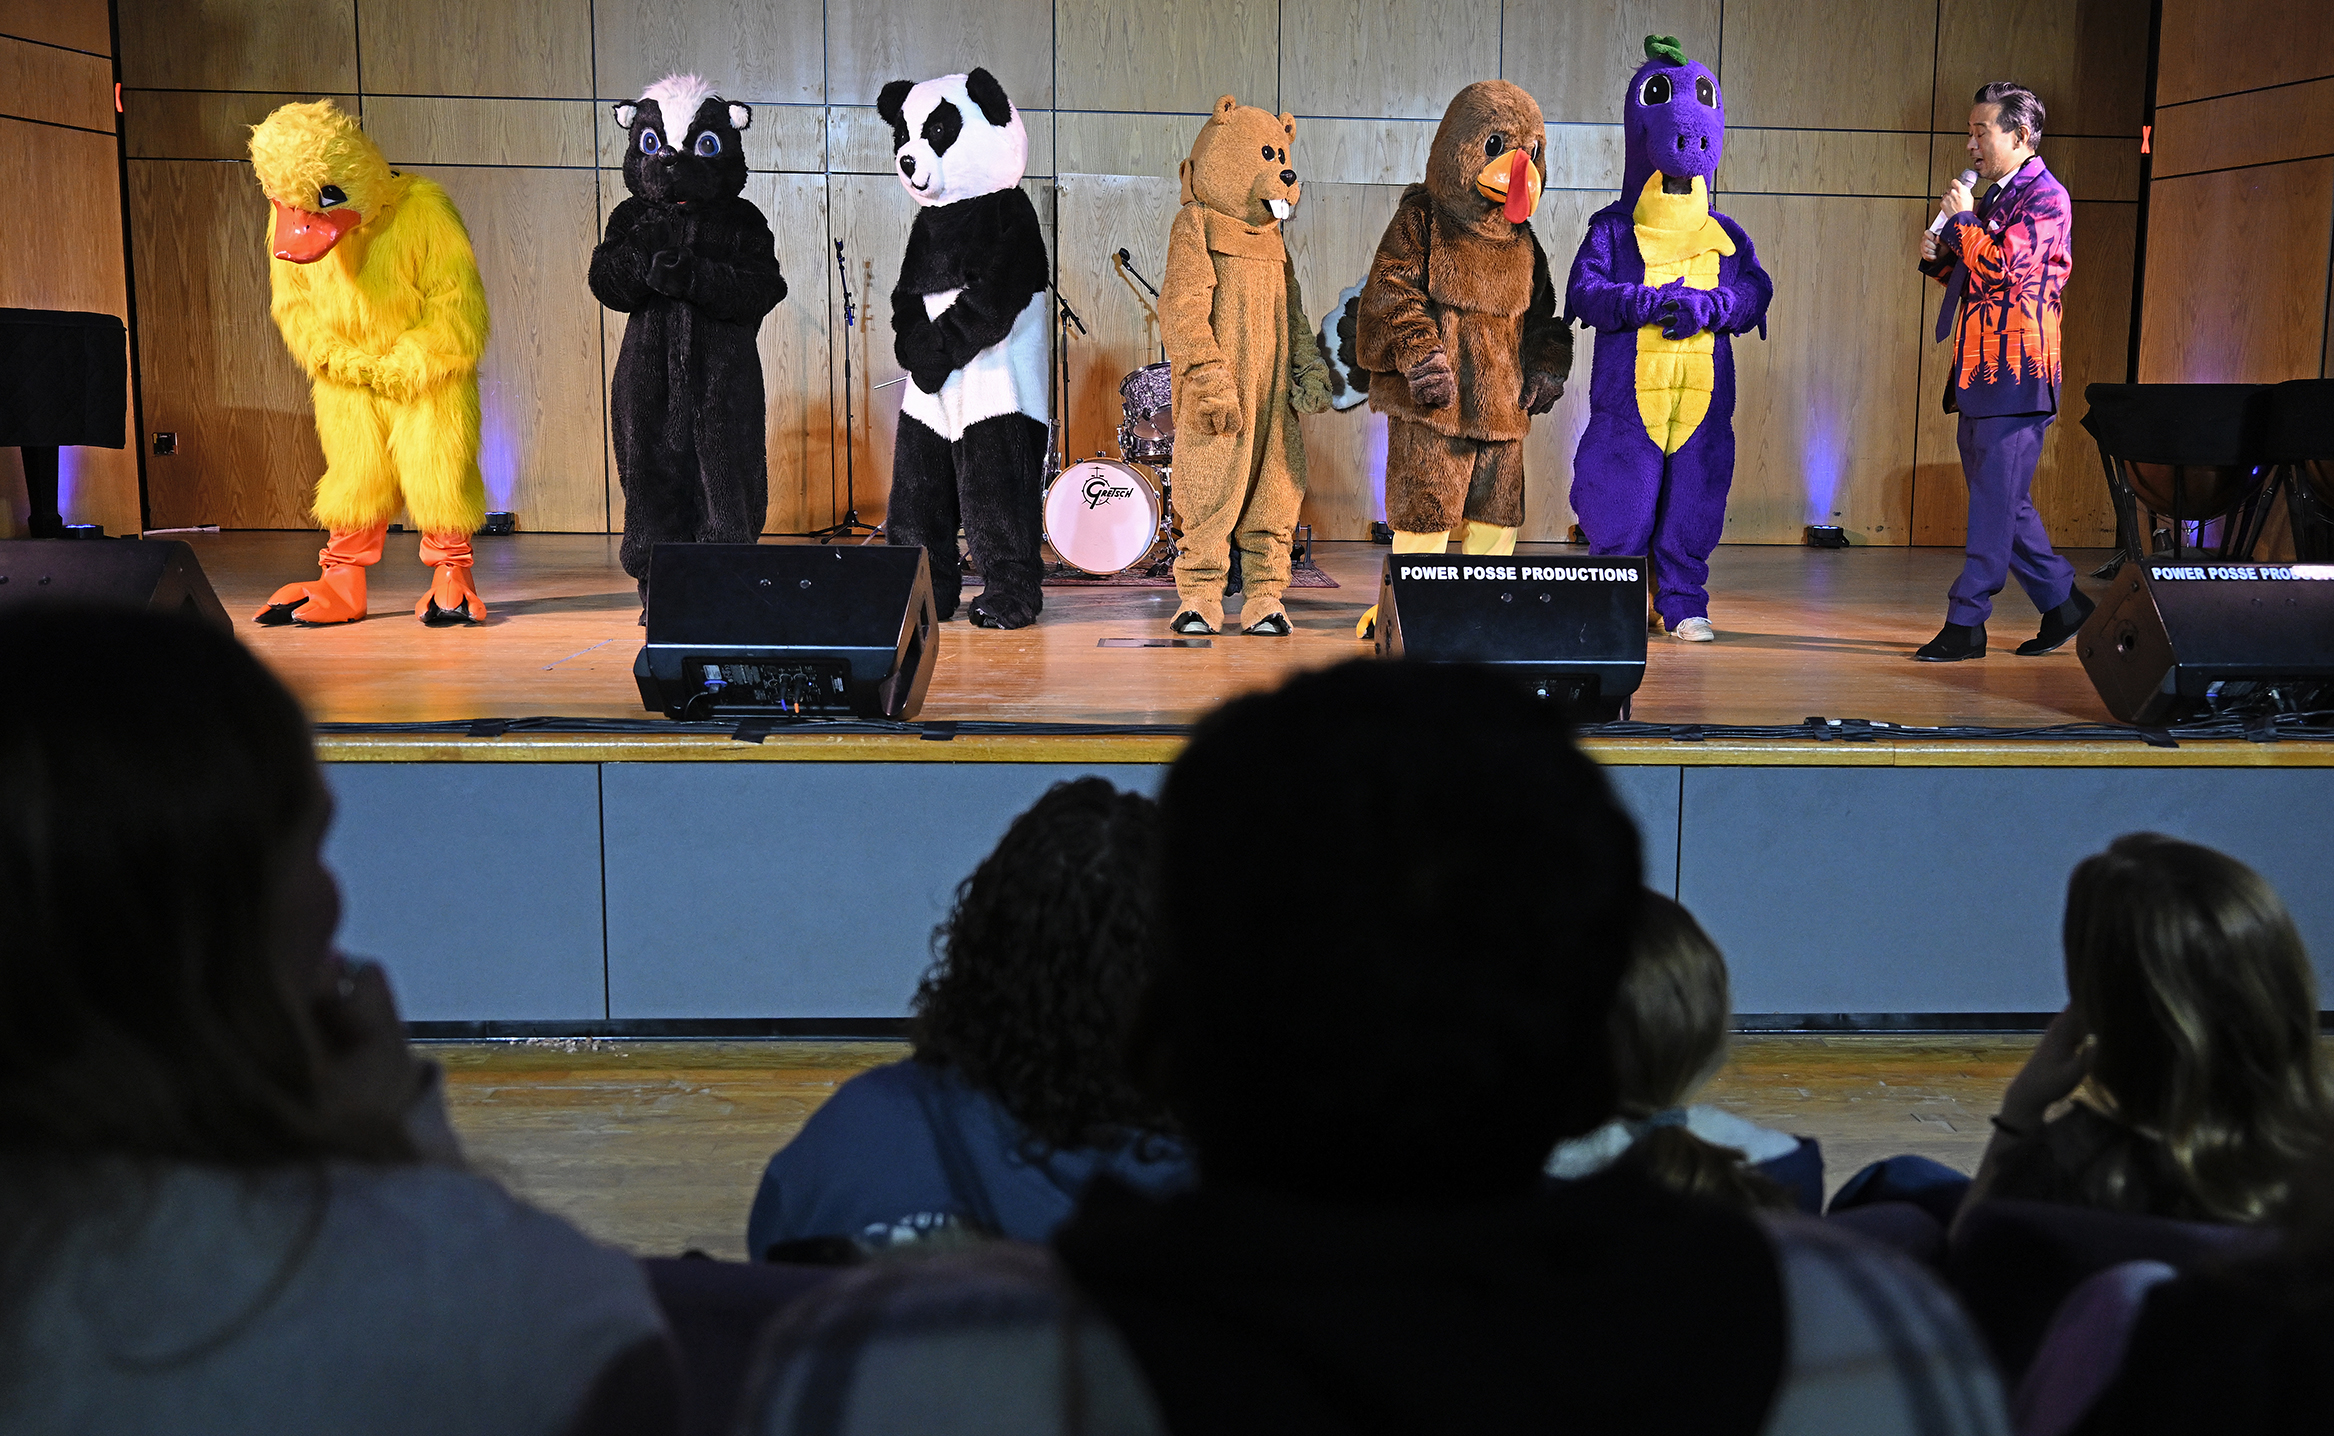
(1372, 1042)
(1668, 1032)
(2189, 1045)
(229, 1200)
(1018, 1091)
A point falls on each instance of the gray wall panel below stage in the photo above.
(809, 890)
(477, 885)
(1941, 889)
(797, 889)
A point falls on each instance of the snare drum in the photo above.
(1104, 517)
(1147, 399)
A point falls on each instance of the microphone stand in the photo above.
(1126, 264)
(1064, 319)
(849, 525)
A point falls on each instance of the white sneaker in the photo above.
(1693, 630)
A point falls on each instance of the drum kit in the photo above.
(1112, 516)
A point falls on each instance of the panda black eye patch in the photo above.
(942, 126)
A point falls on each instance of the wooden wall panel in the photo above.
(66, 182)
(2237, 264)
(1361, 151)
(1847, 162)
(2069, 489)
(214, 369)
(538, 389)
(1153, 145)
(1576, 58)
(290, 45)
(1402, 59)
(528, 48)
(1793, 63)
(1176, 56)
(1331, 238)
(202, 125)
(756, 51)
(440, 131)
(75, 24)
(872, 42)
(1585, 157)
(2106, 168)
(2217, 47)
(56, 87)
(2087, 59)
(1823, 425)
(1100, 214)
(2260, 127)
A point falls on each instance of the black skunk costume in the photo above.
(694, 265)
(969, 325)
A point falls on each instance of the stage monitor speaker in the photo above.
(1571, 628)
(2177, 636)
(161, 574)
(787, 630)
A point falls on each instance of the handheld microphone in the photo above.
(1968, 182)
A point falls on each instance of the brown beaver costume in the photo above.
(1458, 324)
(1244, 366)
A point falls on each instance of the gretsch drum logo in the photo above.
(1100, 490)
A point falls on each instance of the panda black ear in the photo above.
(891, 104)
(626, 112)
(982, 89)
(741, 118)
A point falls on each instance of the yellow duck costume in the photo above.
(376, 293)
(1244, 365)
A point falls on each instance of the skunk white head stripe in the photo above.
(678, 96)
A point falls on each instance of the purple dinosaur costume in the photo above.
(1665, 281)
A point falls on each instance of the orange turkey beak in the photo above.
(1514, 180)
(303, 237)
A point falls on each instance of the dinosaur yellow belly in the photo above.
(1676, 377)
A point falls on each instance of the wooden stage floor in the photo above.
(1801, 632)
(658, 1146)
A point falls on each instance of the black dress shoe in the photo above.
(1954, 642)
(2058, 625)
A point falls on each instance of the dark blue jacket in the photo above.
(911, 1144)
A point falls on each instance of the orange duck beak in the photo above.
(303, 236)
(1513, 180)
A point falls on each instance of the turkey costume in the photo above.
(1457, 324)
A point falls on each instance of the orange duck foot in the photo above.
(337, 597)
(452, 597)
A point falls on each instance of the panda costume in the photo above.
(693, 264)
(969, 324)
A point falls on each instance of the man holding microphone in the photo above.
(2003, 259)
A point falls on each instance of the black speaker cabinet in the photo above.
(787, 630)
(1572, 628)
(2174, 636)
(142, 573)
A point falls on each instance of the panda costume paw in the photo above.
(969, 322)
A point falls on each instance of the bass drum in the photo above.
(1104, 517)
